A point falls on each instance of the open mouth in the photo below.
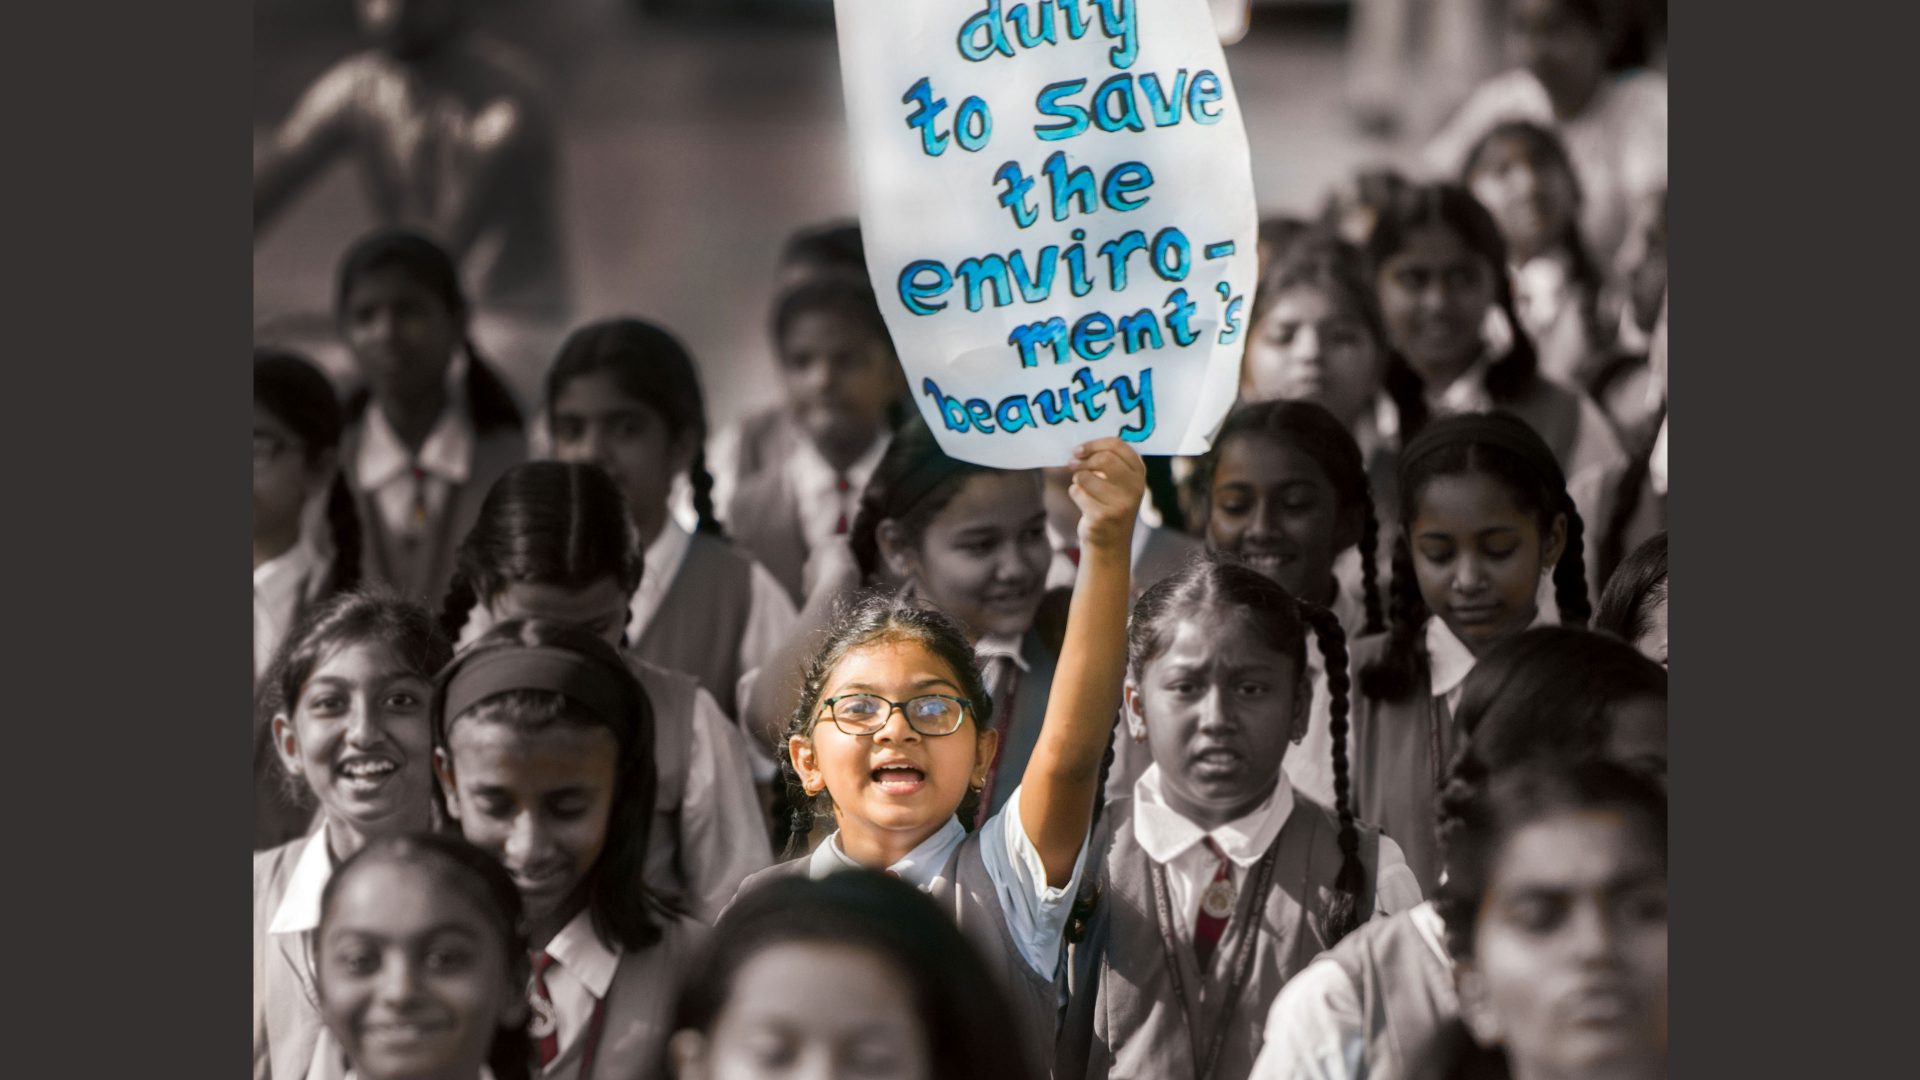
(1215, 762)
(899, 779)
(404, 1031)
(367, 774)
(1267, 560)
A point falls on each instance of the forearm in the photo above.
(1063, 775)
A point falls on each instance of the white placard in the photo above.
(1058, 214)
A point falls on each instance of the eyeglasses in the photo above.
(928, 714)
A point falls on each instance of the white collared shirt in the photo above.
(484, 1074)
(278, 585)
(1177, 843)
(1036, 913)
(383, 467)
(770, 615)
(816, 488)
(299, 910)
(1062, 571)
(1449, 661)
(579, 977)
(1316, 1029)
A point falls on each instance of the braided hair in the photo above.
(1312, 430)
(871, 618)
(1500, 446)
(1282, 621)
(294, 390)
(1453, 208)
(489, 401)
(545, 523)
(478, 878)
(652, 367)
(914, 481)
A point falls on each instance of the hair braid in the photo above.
(343, 524)
(702, 481)
(1394, 675)
(1345, 913)
(1370, 568)
(1570, 573)
(458, 605)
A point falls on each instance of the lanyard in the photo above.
(1242, 964)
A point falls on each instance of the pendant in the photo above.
(1217, 900)
(541, 1021)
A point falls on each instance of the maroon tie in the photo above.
(1074, 554)
(549, 1042)
(1207, 932)
(841, 485)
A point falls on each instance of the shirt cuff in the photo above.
(1036, 912)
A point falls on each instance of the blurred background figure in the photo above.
(451, 133)
(1448, 44)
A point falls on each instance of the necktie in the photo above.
(1001, 676)
(841, 486)
(1074, 554)
(543, 1025)
(1216, 907)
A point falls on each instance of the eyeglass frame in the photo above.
(966, 707)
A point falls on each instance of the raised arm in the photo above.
(316, 132)
(1063, 775)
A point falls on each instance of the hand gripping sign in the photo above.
(1058, 214)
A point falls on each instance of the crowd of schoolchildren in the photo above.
(593, 742)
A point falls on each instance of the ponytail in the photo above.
(702, 482)
(458, 605)
(1402, 666)
(343, 526)
(1370, 569)
(1349, 886)
(1570, 573)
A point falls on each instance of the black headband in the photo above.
(928, 473)
(1498, 429)
(540, 667)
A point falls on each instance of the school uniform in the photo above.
(784, 512)
(1142, 1003)
(1618, 143)
(708, 833)
(1018, 674)
(290, 1040)
(1403, 749)
(1557, 312)
(283, 587)
(416, 508)
(994, 884)
(1371, 1008)
(1308, 765)
(1581, 437)
(612, 1009)
(1157, 552)
(705, 609)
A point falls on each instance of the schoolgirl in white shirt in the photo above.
(348, 694)
(556, 541)
(543, 755)
(1215, 882)
(844, 395)
(624, 395)
(296, 443)
(420, 961)
(435, 425)
(895, 735)
(1285, 491)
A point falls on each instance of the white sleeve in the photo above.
(770, 621)
(1036, 913)
(1314, 1030)
(722, 835)
(1395, 889)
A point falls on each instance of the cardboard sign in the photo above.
(1058, 214)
